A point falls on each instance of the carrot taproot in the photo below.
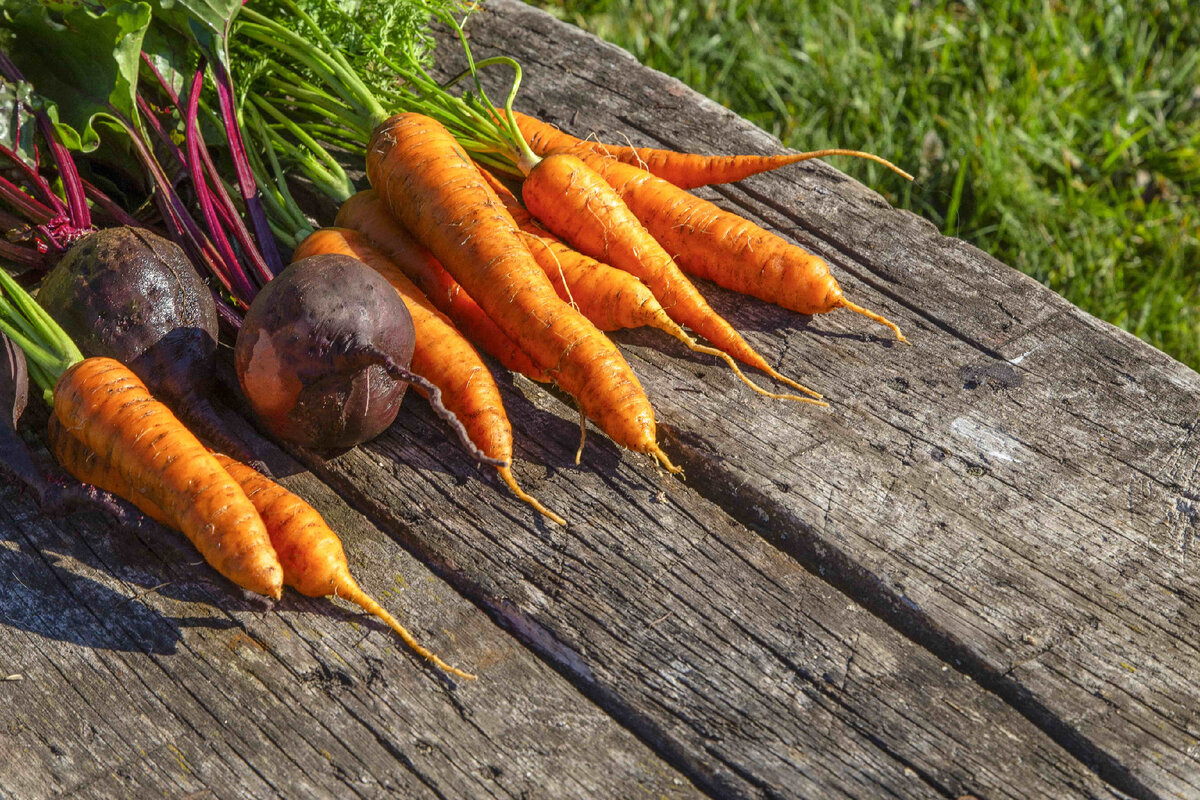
(104, 404)
(365, 213)
(685, 170)
(576, 203)
(430, 184)
(611, 298)
(310, 554)
(728, 250)
(441, 355)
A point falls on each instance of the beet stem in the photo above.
(435, 398)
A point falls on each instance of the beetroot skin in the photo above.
(318, 351)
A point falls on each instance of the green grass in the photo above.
(1063, 137)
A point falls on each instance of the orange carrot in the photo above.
(430, 184)
(441, 355)
(310, 554)
(611, 298)
(685, 170)
(575, 202)
(103, 403)
(365, 213)
(730, 251)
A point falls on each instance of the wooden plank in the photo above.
(747, 672)
(144, 674)
(1016, 492)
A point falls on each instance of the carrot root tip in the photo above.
(882, 320)
(508, 478)
(658, 453)
(351, 592)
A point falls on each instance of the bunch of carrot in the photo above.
(601, 238)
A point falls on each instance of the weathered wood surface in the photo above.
(1016, 492)
(970, 576)
(143, 674)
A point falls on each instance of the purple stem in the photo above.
(19, 254)
(184, 229)
(245, 176)
(234, 221)
(227, 315)
(196, 168)
(37, 180)
(225, 207)
(77, 207)
(33, 210)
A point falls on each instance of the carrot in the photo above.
(685, 170)
(103, 403)
(310, 554)
(441, 355)
(611, 298)
(576, 203)
(730, 251)
(432, 187)
(365, 213)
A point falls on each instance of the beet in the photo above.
(132, 295)
(317, 351)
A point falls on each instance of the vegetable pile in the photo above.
(148, 183)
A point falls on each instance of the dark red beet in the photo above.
(132, 295)
(318, 351)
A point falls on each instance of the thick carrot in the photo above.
(430, 184)
(611, 298)
(103, 403)
(730, 251)
(309, 553)
(365, 213)
(441, 355)
(576, 203)
(685, 170)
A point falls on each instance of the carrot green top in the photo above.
(307, 94)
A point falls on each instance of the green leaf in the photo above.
(206, 21)
(86, 65)
(17, 126)
(172, 54)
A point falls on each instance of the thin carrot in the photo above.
(576, 203)
(430, 184)
(310, 554)
(733, 252)
(365, 213)
(611, 298)
(103, 403)
(685, 170)
(441, 355)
